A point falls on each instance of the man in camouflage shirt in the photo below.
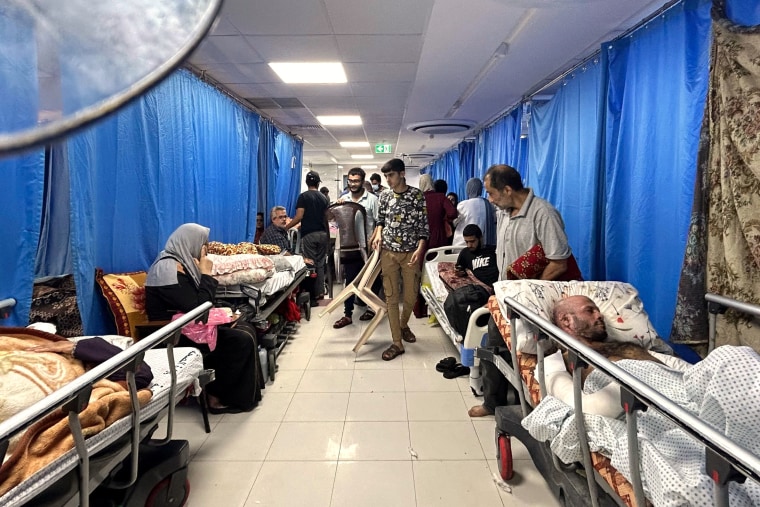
(401, 234)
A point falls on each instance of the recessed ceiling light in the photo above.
(364, 157)
(369, 167)
(354, 144)
(339, 120)
(309, 72)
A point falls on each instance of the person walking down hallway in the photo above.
(315, 236)
(401, 234)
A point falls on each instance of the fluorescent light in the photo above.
(363, 157)
(354, 144)
(369, 167)
(309, 72)
(339, 120)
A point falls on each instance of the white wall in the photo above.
(332, 177)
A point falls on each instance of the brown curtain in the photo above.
(733, 174)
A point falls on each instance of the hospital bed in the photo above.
(71, 477)
(724, 461)
(434, 292)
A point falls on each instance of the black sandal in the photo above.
(392, 352)
(446, 364)
(457, 371)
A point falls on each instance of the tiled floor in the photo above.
(339, 429)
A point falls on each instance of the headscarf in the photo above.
(426, 183)
(473, 188)
(183, 246)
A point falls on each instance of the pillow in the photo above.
(619, 302)
(225, 264)
(529, 265)
(125, 295)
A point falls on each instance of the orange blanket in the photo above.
(25, 378)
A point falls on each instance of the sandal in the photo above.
(457, 371)
(407, 335)
(446, 364)
(392, 352)
(368, 315)
(342, 322)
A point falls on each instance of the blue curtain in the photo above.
(467, 169)
(54, 256)
(23, 176)
(743, 12)
(563, 164)
(268, 169)
(286, 171)
(447, 168)
(655, 101)
(181, 153)
(500, 143)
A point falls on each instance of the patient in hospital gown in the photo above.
(722, 390)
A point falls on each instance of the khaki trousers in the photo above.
(396, 268)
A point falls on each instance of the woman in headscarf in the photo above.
(475, 210)
(178, 281)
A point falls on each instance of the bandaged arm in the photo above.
(559, 383)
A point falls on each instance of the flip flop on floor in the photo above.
(457, 371)
(392, 352)
(446, 364)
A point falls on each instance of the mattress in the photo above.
(437, 287)
(188, 363)
(287, 267)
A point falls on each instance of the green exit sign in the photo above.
(383, 148)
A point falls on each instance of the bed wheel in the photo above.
(271, 363)
(158, 496)
(504, 456)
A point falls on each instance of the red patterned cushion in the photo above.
(529, 265)
(125, 295)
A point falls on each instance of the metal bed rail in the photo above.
(75, 395)
(5, 307)
(725, 460)
(717, 304)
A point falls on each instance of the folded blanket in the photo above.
(27, 377)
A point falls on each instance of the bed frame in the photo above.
(725, 460)
(97, 459)
(477, 326)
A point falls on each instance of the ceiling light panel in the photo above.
(354, 144)
(339, 120)
(363, 157)
(310, 72)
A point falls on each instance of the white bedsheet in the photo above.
(189, 364)
(722, 390)
(436, 284)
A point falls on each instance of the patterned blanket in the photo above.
(27, 377)
(721, 390)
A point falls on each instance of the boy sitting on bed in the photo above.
(478, 258)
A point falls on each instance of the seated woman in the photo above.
(178, 281)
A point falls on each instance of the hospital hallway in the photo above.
(335, 429)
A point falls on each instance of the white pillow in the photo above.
(619, 302)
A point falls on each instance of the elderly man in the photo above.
(523, 221)
(276, 234)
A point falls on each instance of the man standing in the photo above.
(401, 234)
(377, 187)
(315, 237)
(276, 234)
(353, 263)
(480, 259)
(522, 221)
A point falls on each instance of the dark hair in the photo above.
(324, 190)
(440, 186)
(454, 194)
(502, 175)
(472, 230)
(357, 171)
(260, 214)
(395, 165)
(375, 177)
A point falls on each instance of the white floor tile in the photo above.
(290, 483)
(375, 441)
(445, 441)
(454, 483)
(436, 406)
(428, 380)
(374, 484)
(317, 407)
(326, 381)
(271, 408)
(486, 430)
(421, 359)
(528, 486)
(376, 407)
(307, 441)
(377, 381)
(221, 483)
(289, 360)
(286, 381)
(238, 441)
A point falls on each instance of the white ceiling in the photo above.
(407, 61)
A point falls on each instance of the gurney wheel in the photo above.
(158, 498)
(271, 363)
(504, 456)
